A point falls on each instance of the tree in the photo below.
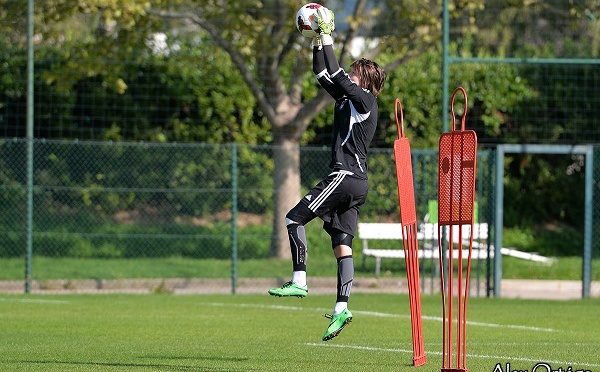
(273, 60)
(261, 39)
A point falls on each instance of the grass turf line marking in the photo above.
(438, 319)
(386, 315)
(494, 357)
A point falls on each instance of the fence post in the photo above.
(588, 218)
(30, 61)
(234, 207)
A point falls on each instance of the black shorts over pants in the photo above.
(336, 200)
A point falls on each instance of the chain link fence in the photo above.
(189, 217)
(162, 217)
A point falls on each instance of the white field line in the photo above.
(438, 319)
(499, 358)
(385, 315)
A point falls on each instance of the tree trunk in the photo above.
(286, 154)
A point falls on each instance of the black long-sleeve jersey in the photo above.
(355, 114)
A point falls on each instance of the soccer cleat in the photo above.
(289, 289)
(338, 322)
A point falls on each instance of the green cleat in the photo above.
(338, 322)
(289, 289)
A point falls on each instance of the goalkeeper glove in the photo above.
(326, 20)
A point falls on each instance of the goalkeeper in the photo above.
(338, 198)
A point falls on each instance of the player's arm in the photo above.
(362, 100)
(320, 44)
(320, 70)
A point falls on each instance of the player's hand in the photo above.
(326, 20)
(316, 42)
(321, 40)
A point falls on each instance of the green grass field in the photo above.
(565, 268)
(261, 333)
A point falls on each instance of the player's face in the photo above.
(354, 77)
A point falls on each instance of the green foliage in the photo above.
(494, 91)
(547, 239)
(218, 106)
(103, 73)
(255, 169)
(108, 199)
(420, 99)
(115, 80)
(382, 201)
(533, 201)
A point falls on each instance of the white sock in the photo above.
(339, 307)
(299, 277)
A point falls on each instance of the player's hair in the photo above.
(372, 76)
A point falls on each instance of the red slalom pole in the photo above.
(408, 216)
(456, 203)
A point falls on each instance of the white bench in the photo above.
(380, 231)
(427, 236)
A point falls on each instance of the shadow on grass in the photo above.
(158, 366)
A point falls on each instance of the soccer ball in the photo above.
(306, 21)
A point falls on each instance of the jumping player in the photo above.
(338, 198)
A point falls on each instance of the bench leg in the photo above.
(377, 266)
